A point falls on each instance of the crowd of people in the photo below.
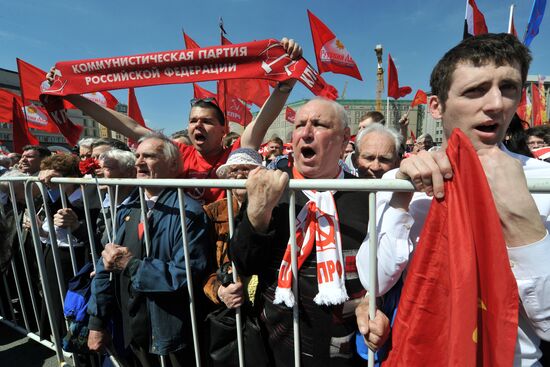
(139, 298)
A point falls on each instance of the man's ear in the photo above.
(436, 107)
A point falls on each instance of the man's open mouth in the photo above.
(487, 128)
(307, 152)
(200, 137)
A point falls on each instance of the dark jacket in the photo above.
(160, 278)
(326, 332)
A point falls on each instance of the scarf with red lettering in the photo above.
(317, 224)
(257, 60)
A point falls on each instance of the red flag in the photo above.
(189, 42)
(474, 22)
(330, 52)
(290, 115)
(419, 98)
(513, 28)
(102, 98)
(459, 304)
(133, 108)
(21, 133)
(30, 79)
(6, 105)
(250, 90)
(537, 105)
(394, 90)
(236, 110)
(201, 93)
(134, 112)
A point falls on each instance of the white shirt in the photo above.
(398, 236)
(62, 234)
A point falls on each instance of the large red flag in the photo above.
(459, 305)
(474, 22)
(290, 115)
(189, 42)
(537, 105)
(21, 133)
(419, 98)
(394, 90)
(330, 52)
(250, 90)
(30, 79)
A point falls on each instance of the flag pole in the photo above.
(511, 18)
(388, 111)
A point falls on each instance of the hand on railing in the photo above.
(375, 332)
(66, 218)
(115, 257)
(232, 295)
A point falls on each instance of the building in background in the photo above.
(356, 109)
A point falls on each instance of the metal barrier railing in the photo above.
(373, 186)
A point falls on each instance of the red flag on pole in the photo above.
(236, 110)
(189, 42)
(201, 93)
(419, 98)
(537, 105)
(459, 304)
(21, 133)
(30, 80)
(6, 105)
(330, 52)
(474, 22)
(250, 90)
(394, 90)
(290, 115)
(134, 112)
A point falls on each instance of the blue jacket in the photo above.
(161, 277)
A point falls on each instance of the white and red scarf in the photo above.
(317, 224)
(265, 59)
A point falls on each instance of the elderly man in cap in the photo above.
(330, 228)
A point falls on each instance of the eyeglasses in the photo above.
(243, 171)
(195, 101)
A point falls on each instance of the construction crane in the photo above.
(379, 78)
(343, 95)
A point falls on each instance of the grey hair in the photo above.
(338, 108)
(86, 142)
(125, 160)
(170, 149)
(380, 129)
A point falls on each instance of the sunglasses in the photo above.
(195, 101)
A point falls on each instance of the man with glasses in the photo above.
(207, 126)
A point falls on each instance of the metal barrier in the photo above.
(373, 186)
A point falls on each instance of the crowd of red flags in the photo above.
(233, 96)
